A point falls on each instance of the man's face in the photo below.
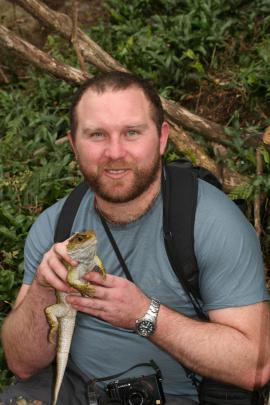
(117, 144)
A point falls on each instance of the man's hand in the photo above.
(117, 300)
(52, 270)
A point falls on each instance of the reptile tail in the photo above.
(60, 374)
(66, 330)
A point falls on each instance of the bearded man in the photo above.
(119, 136)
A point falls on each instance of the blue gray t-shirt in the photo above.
(231, 274)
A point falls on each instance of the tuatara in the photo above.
(82, 248)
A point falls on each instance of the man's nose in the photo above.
(115, 148)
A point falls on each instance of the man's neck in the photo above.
(124, 213)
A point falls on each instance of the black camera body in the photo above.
(144, 390)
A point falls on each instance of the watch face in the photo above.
(145, 328)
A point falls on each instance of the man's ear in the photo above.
(71, 141)
(164, 135)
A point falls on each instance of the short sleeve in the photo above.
(40, 239)
(228, 253)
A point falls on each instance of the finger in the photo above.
(58, 284)
(53, 272)
(101, 293)
(60, 249)
(96, 278)
(46, 277)
(86, 304)
(57, 266)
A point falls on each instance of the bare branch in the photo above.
(188, 146)
(62, 24)
(74, 36)
(40, 59)
(258, 198)
(266, 136)
(4, 76)
(211, 130)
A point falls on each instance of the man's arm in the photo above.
(25, 331)
(234, 347)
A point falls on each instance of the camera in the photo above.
(144, 390)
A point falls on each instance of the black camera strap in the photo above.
(151, 364)
(190, 374)
(114, 245)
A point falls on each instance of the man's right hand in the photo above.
(52, 271)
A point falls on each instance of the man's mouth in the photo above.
(116, 173)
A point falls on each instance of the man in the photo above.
(119, 136)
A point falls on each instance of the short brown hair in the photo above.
(118, 81)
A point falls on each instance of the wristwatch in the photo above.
(146, 325)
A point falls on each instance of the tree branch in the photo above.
(74, 36)
(4, 76)
(39, 58)
(266, 138)
(103, 61)
(258, 198)
(188, 146)
(62, 24)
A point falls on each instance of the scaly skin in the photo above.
(61, 316)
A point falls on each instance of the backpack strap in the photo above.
(180, 188)
(68, 212)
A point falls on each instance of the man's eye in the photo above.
(96, 135)
(132, 132)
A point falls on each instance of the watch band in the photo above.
(146, 325)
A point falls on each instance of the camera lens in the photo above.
(136, 398)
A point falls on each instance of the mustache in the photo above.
(119, 165)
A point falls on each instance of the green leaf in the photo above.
(6, 281)
(266, 156)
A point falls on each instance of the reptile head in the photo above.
(81, 240)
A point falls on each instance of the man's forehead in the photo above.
(93, 92)
(123, 107)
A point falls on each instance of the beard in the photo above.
(122, 190)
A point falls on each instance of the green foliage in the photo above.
(177, 40)
(179, 45)
(35, 172)
(161, 39)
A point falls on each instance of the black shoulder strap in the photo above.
(178, 223)
(68, 213)
(180, 187)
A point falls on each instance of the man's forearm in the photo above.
(212, 349)
(25, 332)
